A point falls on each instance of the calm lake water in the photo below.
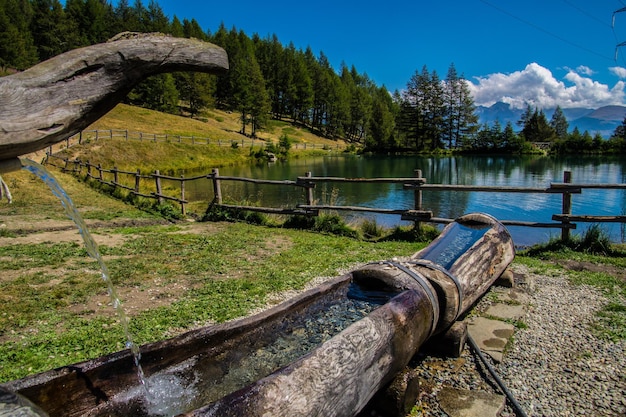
(468, 170)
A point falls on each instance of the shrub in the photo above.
(334, 224)
(371, 229)
(425, 233)
(299, 221)
(595, 240)
(226, 214)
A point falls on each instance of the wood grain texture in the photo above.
(57, 98)
(339, 377)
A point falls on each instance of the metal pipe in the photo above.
(10, 165)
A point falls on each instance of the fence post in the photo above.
(417, 173)
(100, 172)
(567, 205)
(309, 191)
(115, 177)
(126, 134)
(157, 178)
(182, 195)
(217, 190)
(137, 181)
(88, 164)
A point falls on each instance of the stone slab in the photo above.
(506, 311)
(491, 336)
(511, 295)
(463, 403)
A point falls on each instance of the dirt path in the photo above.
(35, 230)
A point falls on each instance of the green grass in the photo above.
(226, 272)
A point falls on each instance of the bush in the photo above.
(425, 233)
(167, 211)
(371, 229)
(299, 221)
(334, 224)
(594, 241)
(225, 214)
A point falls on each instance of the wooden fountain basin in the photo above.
(412, 300)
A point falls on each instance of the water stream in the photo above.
(92, 250)
(205, 378)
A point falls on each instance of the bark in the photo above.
(59, 97)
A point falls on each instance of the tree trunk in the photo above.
(61, 96)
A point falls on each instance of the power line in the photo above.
(589, 15)
(539, 28)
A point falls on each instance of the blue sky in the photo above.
(545, 52)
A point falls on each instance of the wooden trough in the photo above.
(211, 372)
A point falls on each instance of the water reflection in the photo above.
(454, 243)
(522, 171)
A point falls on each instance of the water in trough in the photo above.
(202, 380)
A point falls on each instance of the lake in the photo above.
(522, 171)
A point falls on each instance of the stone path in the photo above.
(458, 387)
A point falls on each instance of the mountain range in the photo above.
(603, 120)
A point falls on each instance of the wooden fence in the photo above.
(417, 184)
(192, 140)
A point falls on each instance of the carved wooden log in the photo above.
(343, 374)
(472, 252)
(419, 297)
(57, 98)
(91, 388)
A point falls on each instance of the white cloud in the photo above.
(585, 70)
(619, 71)
(537, 86)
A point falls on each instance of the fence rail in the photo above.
(96, 135)
(135, 179)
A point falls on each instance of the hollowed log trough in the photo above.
(415, 299)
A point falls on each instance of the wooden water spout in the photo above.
(419, 297)
(58, 98)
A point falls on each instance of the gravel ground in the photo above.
(554, 367)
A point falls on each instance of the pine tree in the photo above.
(460, 119)
(424, 110)
(250, 97)
(48, 28)
(381, 123)
(525, 117)
(17, 48)
(537, 128)
(156, 20)
(300, 97)
(127, 18)
(192, 29)
(558, 122)
(176, 28)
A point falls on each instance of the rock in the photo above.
(449, 343)
(506, 311)
(491, 336)
(463, 403)
(507, 279)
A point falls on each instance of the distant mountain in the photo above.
(603, 120)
